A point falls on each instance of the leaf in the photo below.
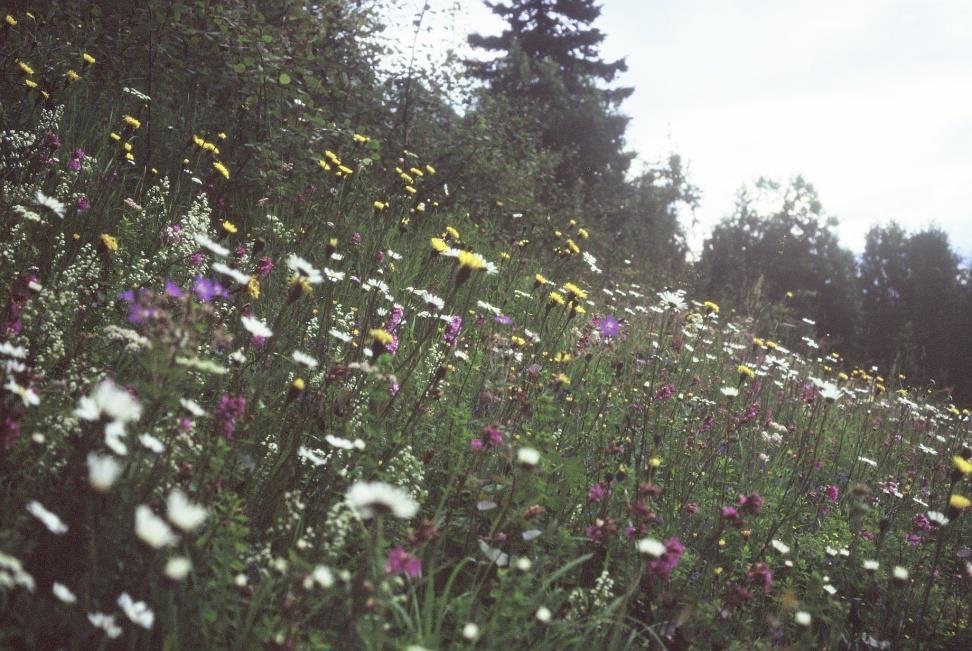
(240, 68)
(284, 79)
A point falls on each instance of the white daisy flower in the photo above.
(304, 269)
(106, 623)
(50, 520)
(192, 407)
(374, 498)
(50, 203)
(103, 471)
(781, 547)
(152, 529)
(235, 274)
(337, 334)
(177, 568)
(114, 433)
(334, 276)
(304, 359)
(183, 513)
(729, 392)
(871, 565)
(26, 394)
(151, 443)
(256, 327)
(802, 618)
(137, 611)
(651, 547)
(62, 592)
(527, 457)
(204, 241)
(109, 401)
(8, 349)
(870, 462)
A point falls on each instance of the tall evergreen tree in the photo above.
(549, 62)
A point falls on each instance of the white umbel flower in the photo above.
(183, 513)
(137, 611)
(152, 529)
(103, 471)
(50, 520)
(375, 498)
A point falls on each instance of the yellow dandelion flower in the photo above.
(710, 307)
(132, 122)
(471, 261)
(127, 146)
(556, 298)
(405, 177)
(772, 345)
(130, 156)
(253, 287)
(562, 358)
(360, 138)
(416, 171)
(381, 336)
(576, 293)
(222, 169)
(379, 205)
(109, 243)
(87, 58)
(745, 371)
(346, 170)
(331, 156)
(452, 233)
(10, 20)
(72, 75)
(298, 384)
(30, 83)
(26, 69)
(758, 342)
(573, 247)
(959, 502)
(504, 255)
(539, 280)
(655, 462)
(582, 233)
(579, 310)
(430, 169)
(563, 379)
(410, 189)
(439, 245)
(229, 227)
(962, 464)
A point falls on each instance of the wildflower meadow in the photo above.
(347, 409)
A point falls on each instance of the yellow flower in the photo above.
(381, 336)
(745, 371)
(556, 298)
(655, 462)
(109, 242)
(130, 156)
(30, 83)
(72, 75)
(573, 247)
(539, 280)
(346, 169)
(452, 233)
(439, 245)
(331, 156)
(87, 57)
(298, 384)
(504, 255)
(843, 377)
(253, 287)
(10, 20)
(27, 70)
(379, 205)
(132, 122)
(430, 169)
(410, 189)
(127, 146)
(959, 502)
(518, 341)
(582, 233)
(229, 227)
(771, 344)
(222, 169)
(360, 138)
(563, 379)
(758, 342)
(711, 307)
(416, 171)
(471, 261)
(562, 358)
(576, 293)
(962, 464)
(579, 310)
(405, 177)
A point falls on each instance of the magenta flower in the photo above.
(832, 492)
(401, 562)
(663, 566)
(751, 503)
(207, 289)
(597, 492)
(264, 267)
(761, 573)
(229, 410)
(730, 513)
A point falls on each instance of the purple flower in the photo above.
(195, 259)
(74, 164)
(401, 562)
(663, 566)
(82, 204)
(451, 334)
(730, 512)
(609, 327)
(173, 290)
(207, 289)
(264, 267)
(356, 239)
(665, 393)
(503, 319)
(139, 309)
(229, 410)
(597, 492)
(761, 573)
(751, 503)
(832, 492)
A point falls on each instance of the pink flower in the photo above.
(832, 492)
(597, 492)
(401, 562)
(663, 566)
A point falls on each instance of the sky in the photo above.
(869, 100)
